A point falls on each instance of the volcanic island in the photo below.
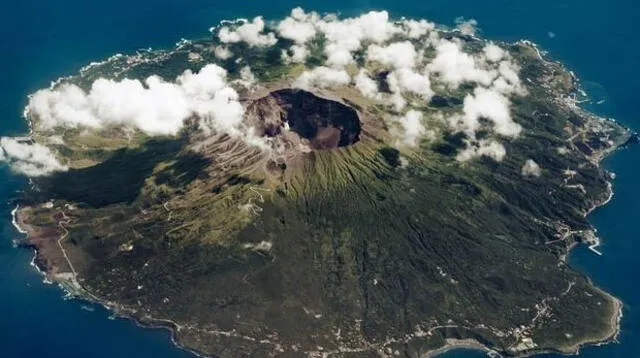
(322, 186)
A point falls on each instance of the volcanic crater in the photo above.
(320, 123)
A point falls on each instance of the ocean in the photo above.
(42, 40)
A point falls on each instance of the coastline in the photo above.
(612, 335)
(615, 320)
(614, 325)
(453, 344)
(77, 291)
(80, 293)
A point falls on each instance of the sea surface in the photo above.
(42, 40)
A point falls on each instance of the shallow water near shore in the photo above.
(45, 40)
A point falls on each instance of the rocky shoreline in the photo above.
(69, 284)
(51, 259)
(611, 337)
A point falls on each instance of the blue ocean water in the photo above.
(42, 40)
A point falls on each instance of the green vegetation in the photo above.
(360, 247)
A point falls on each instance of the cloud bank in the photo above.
(411, 128)
(30, 159)
(483, 148)
(454, 66)
(467, 27)
(363, 52)
(251, 32)
(321, 77)
(412, 77)
(153, 106)
(299, 27)
(490, 105)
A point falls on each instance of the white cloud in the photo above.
(55, 139)
(338, 56)
(407, 80)
(488, 104)
(455, 67)
(322, 77)
(346, 36)
(247, 78)
(412, 128)
(158, 107)
(467, 27)
(249, 32)
(416, 29)
(496, 77)
(395, 55)
(31, 159)
(402, 58)
(374, 26)
(223, 112)
(298, 54)
(222, 52)
(397, 101)
(367, 86)
(493, 52)
(531, 168)
(482, 148)
(247, 75)
(494, 107)
(155, 107)
(509, 81)
(299, 27)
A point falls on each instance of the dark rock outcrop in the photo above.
(322, 122)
